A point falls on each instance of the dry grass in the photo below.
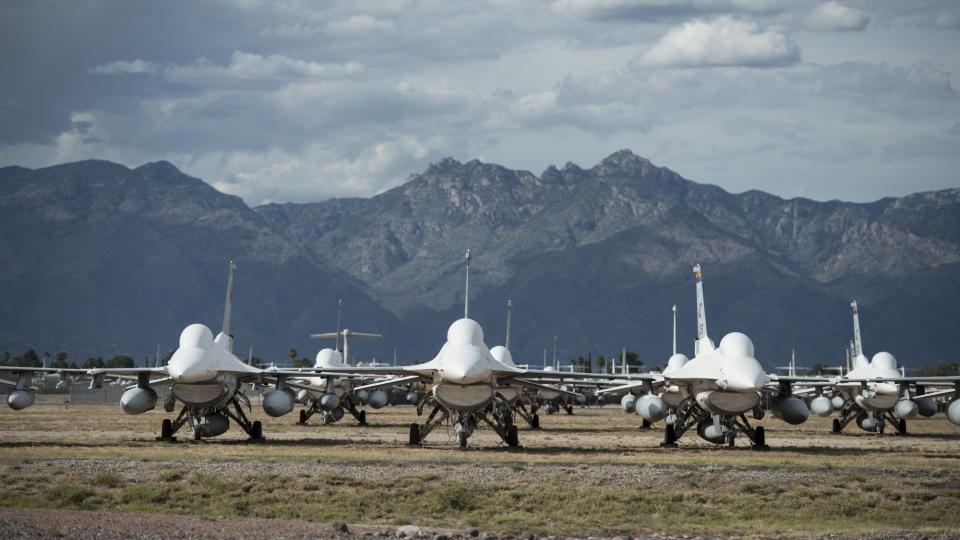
(593, 472)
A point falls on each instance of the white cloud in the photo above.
(359, 23)
(834, 16)
(948, 18)
(121, 67)
(255, 67)
(722, 42)
(652, 9)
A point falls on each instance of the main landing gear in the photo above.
(718, 429)
(529, 415)
(335, 415)
(210, 422)
(497, 415)
(870, 421)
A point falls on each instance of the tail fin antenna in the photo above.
(506, 343)
(466, 294)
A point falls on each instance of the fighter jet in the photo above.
(715, 390)
(463, 381)
(875, 392)
(207, 379)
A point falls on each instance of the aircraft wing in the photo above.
(18, 369)
(126, 371)
(806, 379)
(628, 387)
(932, 380)
(392, 382)
(543, 374)
(537, 386)
(345, 371)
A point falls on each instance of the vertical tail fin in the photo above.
(857, 344)
(156, 359)
(466, 293)
(506, 342)
(703, 340)
(228, 308)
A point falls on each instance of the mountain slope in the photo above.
(99, 258)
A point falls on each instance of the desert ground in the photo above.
(94, 472)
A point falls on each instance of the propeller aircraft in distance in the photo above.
(338, 395)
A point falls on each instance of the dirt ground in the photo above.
(596, 453)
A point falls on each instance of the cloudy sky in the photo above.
(288, 100)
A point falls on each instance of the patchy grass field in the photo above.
(593, 473)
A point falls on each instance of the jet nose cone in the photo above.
(189, 365)
(743, 374)
(465, 365)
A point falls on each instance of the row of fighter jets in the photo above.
(469, 385)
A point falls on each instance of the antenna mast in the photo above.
(339, 318)
(674, 329)
(506, 343)
(466, 294)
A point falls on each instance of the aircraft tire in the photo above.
(363, 418)
(196, 434)
(414, 434)
(759, 436)
(166, 429)
(462, 439)
(303, 416)
(670, 435)
(836, 425)
(535, 421)
(256, 430)
(902, 426)
(513, 439)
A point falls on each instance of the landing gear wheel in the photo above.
(569, 409)
(880, 427)
(414, 434)
(196, 434)
(760, 439)
(256, 430)
(902, 426)
(669, 437)
(166, 429)
(836, 425)
(362, 418)
(303, 417)
(645, 424)
(513, 440)
(507, 420)
(535, 421)
(462, 439)
(731, 437)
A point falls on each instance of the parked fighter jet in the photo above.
(714, 391)
(463, 380)
(876, 392)
(204, 375)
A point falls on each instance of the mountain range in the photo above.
(100, 259)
